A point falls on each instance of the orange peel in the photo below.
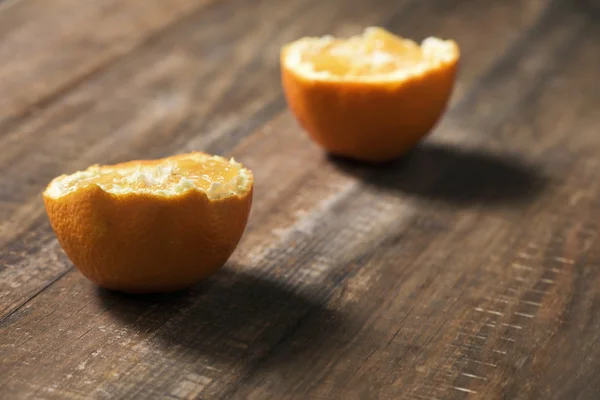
(151, 225)
(370, 97)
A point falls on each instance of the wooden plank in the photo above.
(348, 283)
(47, 46)
(474, 301)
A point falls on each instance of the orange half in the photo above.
(151, 226)
(370, 97)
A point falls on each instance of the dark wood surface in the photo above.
(468, 269)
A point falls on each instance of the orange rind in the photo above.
(151, 225)
(370, 97)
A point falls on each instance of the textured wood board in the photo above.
(467, 269)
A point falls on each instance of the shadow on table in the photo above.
(232, 318)
(452, 175)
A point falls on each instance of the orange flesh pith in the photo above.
(160, 176)
(379, 52)
(201, 174)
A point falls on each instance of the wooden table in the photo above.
(467, 269)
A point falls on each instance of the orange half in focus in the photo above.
(151, 226)
(371, 97)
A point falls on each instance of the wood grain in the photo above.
(467, 269)
(53, 46)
